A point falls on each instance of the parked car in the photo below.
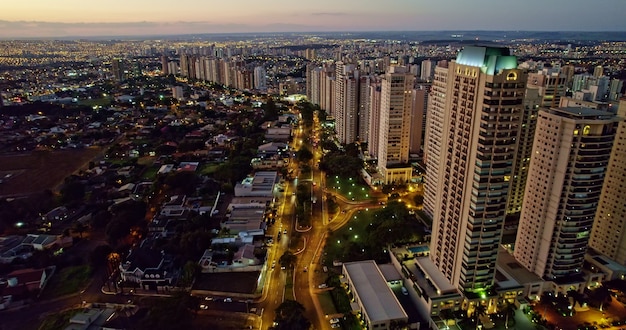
(322, 286)
(335, 325)
(228, 300)
(334, 320)
(405, 291)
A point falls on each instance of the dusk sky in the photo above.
(46, 18)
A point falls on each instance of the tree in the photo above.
(98, 256)
(446, 314)
(479, 311)
(190, 270)
(287, 260)
(509, 311)
(290, 316)
(304, 155)
(79, 227)
(601, 295)
(72, 191)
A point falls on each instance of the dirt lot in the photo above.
(40, 170)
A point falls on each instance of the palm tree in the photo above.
(479, 311)
(508, 310)
(446, 314)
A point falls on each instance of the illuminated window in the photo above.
(586, 130)
(511, 76)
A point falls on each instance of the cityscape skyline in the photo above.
(140, 18)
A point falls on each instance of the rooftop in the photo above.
(508, 265)
(374, 293)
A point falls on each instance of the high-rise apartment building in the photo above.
(374, 120)
(571, 150)
(117, 69)
(363, 113)
(608, 235)
(164, 66)
(418, 116)
(532, 102)
(482, 110)
(346, 102)
(544, 89)
(427, 70)
(395, 125)
(260, 80)
(434, 135)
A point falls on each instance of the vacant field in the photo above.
(41, 170)
(237, 282)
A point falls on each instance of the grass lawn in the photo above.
(67, 281)
(210, 168)
(289, 286)
(326, 301)
(105, 101)
(146, 161)
(355, 230)
(58, 320)
(350, 188)
(150, 173)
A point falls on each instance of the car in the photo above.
(325, 269)
(204, 306)
(282, 267)
(273, 264)
(335, 325)
(228, 300)
(285, 232)
(322, 286)
(334, 320)
(405, 291)
(208, 298)
(305, 269)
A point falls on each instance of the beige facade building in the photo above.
(482, 111)
(609, 229)
(434, 135)
(395, 125)
(571, 150)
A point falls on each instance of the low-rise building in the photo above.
(378, 305)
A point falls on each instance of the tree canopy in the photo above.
(290, 316)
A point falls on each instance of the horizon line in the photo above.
(156, 35)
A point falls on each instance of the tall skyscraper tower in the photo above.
(164, 66)
(571, 150)
(544, 89)
(532, 102)
(434, 135)
(608, 235)
(481, 118)
(346, 102)
(395, 125)
(117, 68)
(260, 80)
